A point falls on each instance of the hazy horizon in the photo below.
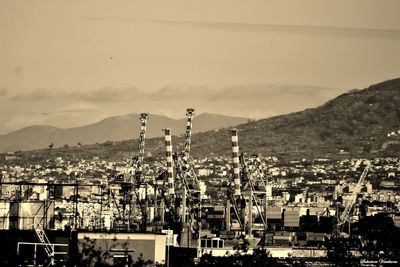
(222, 101)
(72, 63)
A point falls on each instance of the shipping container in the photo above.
(274, 213)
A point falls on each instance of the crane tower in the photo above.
(248, 190)
(180, 190)
(124, 186)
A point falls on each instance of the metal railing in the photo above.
(19, 244)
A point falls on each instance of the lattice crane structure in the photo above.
(345, 215)
(249, 190)
(127, 183)
(179, 188)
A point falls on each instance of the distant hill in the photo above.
(28, 138)
(115, 128)
(354, 124)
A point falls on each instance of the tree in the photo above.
(380, 237)
(260, 257)
(141, 262)
(339, 252)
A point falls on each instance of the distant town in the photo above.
(298, 209)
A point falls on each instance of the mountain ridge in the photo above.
(354, 124)
(114, 128)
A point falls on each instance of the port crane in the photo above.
(187, 183)
(129, 181)
(187, 189)
(165, 186)
(178, 185)
(255, 186)
(345, 215)
(249, 188)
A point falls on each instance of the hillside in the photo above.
(353, 124)
(29, 138)
(115, 128)
(356, 122)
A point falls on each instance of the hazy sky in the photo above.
(68, 63)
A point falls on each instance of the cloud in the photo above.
(94, 19)
(76, 107)
(181, 91)
(41, 94)
(110, 94)
(3, 92)
(348, 32)
(264, 91)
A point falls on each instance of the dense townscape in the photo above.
(303, 182)
(303, 199)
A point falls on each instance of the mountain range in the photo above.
(354, 124)
(114, 128)
(68, 109)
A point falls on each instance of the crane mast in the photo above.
(235, 160)
(236, 192)
(164, 183)
(129, 181)
(188, 134)
(180, 190)
(170, 162)
(142, 138)
(248, 186)
(186, 175)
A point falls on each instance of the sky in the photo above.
(69, 63)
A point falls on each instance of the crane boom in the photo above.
(345, 215)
